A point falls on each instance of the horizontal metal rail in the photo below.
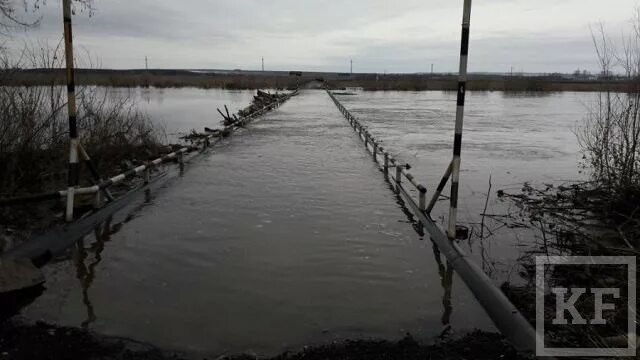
(504, 314)
(41, 248)
(204, 141)
(376, 149)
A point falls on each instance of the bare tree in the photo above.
(610, 136)
(11, 21)
(34, 131)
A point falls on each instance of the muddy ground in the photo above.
(22, 340)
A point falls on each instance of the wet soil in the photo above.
(21, 340)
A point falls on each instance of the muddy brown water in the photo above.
(287, 234)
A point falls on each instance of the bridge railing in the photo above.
(386, 161)
(504, 314)
(199, 145)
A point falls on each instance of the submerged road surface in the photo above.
(285, 235)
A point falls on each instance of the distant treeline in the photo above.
(151, 78)
(286, 80)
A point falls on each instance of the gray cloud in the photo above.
(397, 36)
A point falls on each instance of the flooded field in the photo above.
(181, 110)
(287, 234)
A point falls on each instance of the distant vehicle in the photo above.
(295, 73)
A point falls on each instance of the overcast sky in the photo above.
(392, 36)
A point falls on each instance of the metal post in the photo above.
(74, 171)
(181, 161)
(375, 151)
(443, 183)
(386, 163)
(422, 201)
(97, 200)
(398, 177)
(147, 175)
(457, 143)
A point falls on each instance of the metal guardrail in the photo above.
(201, 144)
(374, 146)
(504, 314)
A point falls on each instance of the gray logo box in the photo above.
(629, 261)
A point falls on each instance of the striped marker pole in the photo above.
(457, 143)
(74, 171)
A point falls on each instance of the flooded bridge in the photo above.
(279, 224)
(221, 253)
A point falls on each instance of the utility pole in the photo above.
(351, 68)
(263, 63)
(431, 69)
(146, 63)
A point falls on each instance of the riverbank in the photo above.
(21, 340)
(238, 79)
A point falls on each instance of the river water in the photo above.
(288, 235)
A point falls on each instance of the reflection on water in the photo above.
(287, 234)
(446, 278)
(86, 267)
(86, 261)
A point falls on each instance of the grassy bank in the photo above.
(285, 80)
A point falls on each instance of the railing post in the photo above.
(386, 164)
(398, 177)
(97, 199)
(181, 161)
(375, 151)
(146, 175)
(422, 202)
(70, 199)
